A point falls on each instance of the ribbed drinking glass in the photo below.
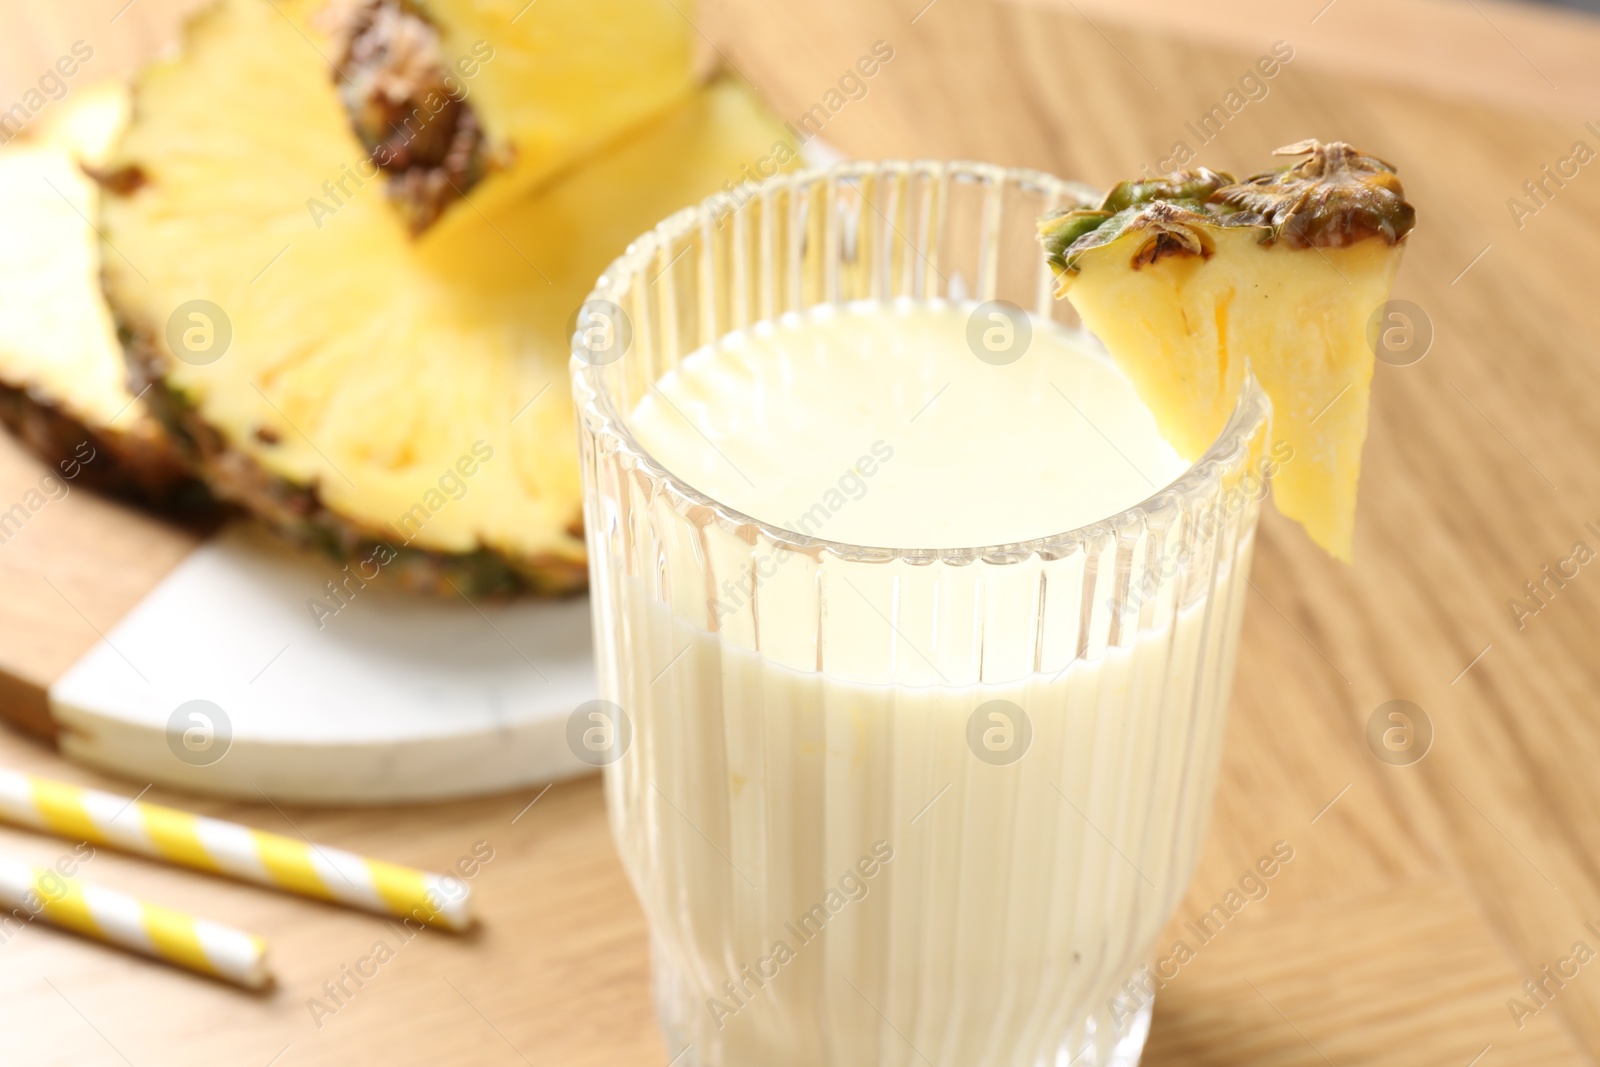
(894, 805)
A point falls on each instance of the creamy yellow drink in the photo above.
(892, 812)
(949, 450)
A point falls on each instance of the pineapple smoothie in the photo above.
(861, 845)
(1030, 445)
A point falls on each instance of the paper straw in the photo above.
(230, 849)
(117, 919)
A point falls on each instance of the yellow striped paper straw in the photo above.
(118, 919)
(230, 849)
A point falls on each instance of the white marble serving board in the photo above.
(395, 698)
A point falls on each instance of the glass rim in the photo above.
(597, 409)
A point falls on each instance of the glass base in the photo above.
(1120, 1047)
(1113, 1036)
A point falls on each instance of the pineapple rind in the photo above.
(296, 512)
(1092, 225)
(1336, 196)
(145, 466)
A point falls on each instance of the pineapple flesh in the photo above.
(1191, 279)
(63, 383)
(400, 401)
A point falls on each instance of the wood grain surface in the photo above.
(1420, 898)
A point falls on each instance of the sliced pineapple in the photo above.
(63, 383)
(1190, 278)
(488, 97)
(398, 401)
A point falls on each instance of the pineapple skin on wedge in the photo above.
(63, 383)
(365, 364)
(1191, 280)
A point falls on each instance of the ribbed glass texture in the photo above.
(895, 806)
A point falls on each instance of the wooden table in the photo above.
(1420, 897)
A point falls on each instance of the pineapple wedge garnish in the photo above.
(401, 402)
(63, 383)
(1190, 278)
